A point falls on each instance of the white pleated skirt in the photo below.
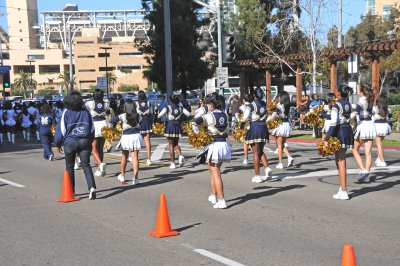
(283, 130)
(365, 130)
(26, 124)
(132, 142)
(218, 152)
(383, 129)
(11, 123)
(98, 125)
(327, 124)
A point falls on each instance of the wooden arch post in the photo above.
(268, 86)
(375, 75)
(334, 81)
(299, 84)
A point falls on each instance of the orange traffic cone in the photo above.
(163, 227)
(66, 192)
(348, 258)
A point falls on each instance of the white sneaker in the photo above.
(103, 169)
(148, 162)
(221, 204)
(279, 166)
(276, 151)
(181, 160)
(172, 166)
(381, 164)
(51, 157)
(268, 174)
(290, 161)
(129, 159)
(212, 198)
(256, 179)
(97, 173)
(92, 193)
(377, 161)
(76, 166)
(341, 195)
(135, 181)
(245, 162)
(364, 177)
(121, 178)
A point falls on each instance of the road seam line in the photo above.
(11, 183)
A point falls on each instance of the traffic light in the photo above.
(229, 48)
(6, 80)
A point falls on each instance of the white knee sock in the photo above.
(28, 135)
(24, 133)
(13, 138)
(1, 137)
(37, 135)
(9, 136)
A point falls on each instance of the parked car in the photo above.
(116, 96)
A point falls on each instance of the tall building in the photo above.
(381, 7)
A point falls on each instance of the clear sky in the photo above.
(352, 9)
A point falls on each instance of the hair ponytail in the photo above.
(132, 117)
(369, 93)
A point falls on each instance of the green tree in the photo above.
(65, 80)
(190, 65)
(389, 65)
(23, 82)
(112, 79)
(49, 91)
(128, 88)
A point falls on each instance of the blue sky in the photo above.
(352, 9)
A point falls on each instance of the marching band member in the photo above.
(283, 130)
(145, 111)
(173, 130)
(365, 132)
(381, 120)
(341, 129)
(218, 151)
(10, 123)
(257, 134)
(98, 109)
(131, 139)
(45, 120)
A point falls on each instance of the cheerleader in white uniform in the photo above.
(218, 151)
(145, 111)
(365, 132)
(341, 129)
(173, 130)
(2, 127)
(258, 134)
(131, 139)
(241, 110)
(10, 121)
(98, 108)
(25, 119)
(380, 117)
(34, 112)
(326, 113)
(282, 132)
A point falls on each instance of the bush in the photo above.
(394, 98)
(128, 88)
(48, 91)
(396, 118)
(126, 70)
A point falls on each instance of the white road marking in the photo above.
(213, 256)
(158, 152)
(334, 173)
(11, 183)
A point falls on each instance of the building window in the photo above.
(49, 69)
(87, 70)
(36, 56)
(125, 68)
(130, 53)
(371, 7)
(87, 81)
(386, 11)
(85, 42)
(106, 68)
(104, 54)
(86, 56)
(27, 69)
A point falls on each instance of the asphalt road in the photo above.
(294, 221)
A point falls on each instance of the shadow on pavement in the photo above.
(266, 193)
(380, 187)
(180, 229)
(5, 172)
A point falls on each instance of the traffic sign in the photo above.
(222, 77)
(102, 83)
(4, 69)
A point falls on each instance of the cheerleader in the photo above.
(365, 132)
(145, 111)
(381, 120)
(1, 123)
(202, 110)
(25, 120)
(283, 130)
(258, 134)
(218, 151)
(33, 111)
(326, 113)
(131, 139)
(45, 120)
(98, 109)
(10, 121)
(341, 129)
(241, 109)
(173, 130)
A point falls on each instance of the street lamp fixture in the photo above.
(105, 55)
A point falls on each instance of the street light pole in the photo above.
(105, 54)
(167, 47)
(71, 66)
(30, 70)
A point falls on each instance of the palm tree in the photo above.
(65, 80)
(112, 79)
(25, 81)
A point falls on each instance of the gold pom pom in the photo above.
(274, 123)
(187, 128)
(111, 134)
(272, 107)
(240, 135)
(333, 146)
(202, 139)
(53, 130)
(313, 118)
(158, 129)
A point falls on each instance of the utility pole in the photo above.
(167, 47)
(30, 70)
(71, 66)
(106, 55)
(340, 44)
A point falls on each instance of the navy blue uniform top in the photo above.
(126, 128)
(216, 122)
(74, 125)
(340, 116)
(45, 122)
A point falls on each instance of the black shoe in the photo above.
(92, 193)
